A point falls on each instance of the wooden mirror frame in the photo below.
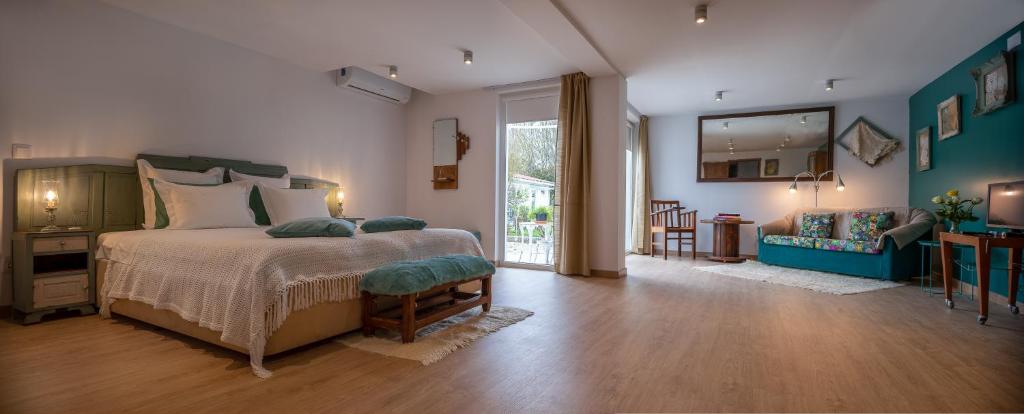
(831, 143)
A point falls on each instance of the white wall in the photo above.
(80, 80)
(472, 206)
(608, 173)
(673, 141)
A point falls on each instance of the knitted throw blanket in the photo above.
(244, 284)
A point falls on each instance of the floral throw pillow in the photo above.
(818, 226)
(866, 226)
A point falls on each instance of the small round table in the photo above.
(727, 241)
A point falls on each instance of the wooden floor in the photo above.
(666, 338)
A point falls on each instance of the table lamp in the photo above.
(52, 199)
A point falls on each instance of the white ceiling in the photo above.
(423, 38)
(780, 52)
(762, 52)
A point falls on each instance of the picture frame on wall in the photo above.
(949, 117)
(994, 84)
(924, 149)
(771, 167)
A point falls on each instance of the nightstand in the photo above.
(54, 270)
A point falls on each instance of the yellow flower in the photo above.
(953, 193)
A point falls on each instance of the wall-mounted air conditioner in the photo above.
(361, 80)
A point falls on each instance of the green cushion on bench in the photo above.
(413, 276)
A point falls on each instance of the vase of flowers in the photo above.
(955, 210)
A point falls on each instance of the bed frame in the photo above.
(300, 328)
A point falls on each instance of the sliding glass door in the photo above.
(530, 135)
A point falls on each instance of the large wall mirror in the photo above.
(765, 146)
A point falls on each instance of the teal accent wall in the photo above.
(989, 148)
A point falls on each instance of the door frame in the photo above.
(500, 216)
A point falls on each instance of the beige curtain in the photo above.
(572, 198)
(641, 191)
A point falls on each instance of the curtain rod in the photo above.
(540, 83)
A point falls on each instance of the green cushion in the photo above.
(818, 226)
(865, 226)
(314, 227)
(806, 242)
(393, 223)
(413, 276)
(162, 220)
(257, 207)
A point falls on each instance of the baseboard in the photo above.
(700, 254)
(610, 274)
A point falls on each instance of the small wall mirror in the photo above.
(445, 141)
(764, 146)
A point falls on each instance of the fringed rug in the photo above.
(440, 339)
(825, 282)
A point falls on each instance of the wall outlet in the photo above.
(21, 151)
(1013, 41)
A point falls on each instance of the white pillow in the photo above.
(198, 207)
(287, 205)
(282, 182)
(214, 175)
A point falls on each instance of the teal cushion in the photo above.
(393, 223)
(413, 276)
(314, 227)
(162, 219)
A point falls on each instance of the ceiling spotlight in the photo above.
(701, 13)
(830, 84)
(467, 57)
(718, 95)
(778, 149)
(725, 125)
(803, 119)
(392, 71)
(787, 138)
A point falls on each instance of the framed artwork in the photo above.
(924, 149)
(994, 83)
(771, 167)
(949, 117)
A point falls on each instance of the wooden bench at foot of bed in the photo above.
(424, 308)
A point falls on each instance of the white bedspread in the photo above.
(243, 283)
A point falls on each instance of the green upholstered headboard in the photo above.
(106, 198)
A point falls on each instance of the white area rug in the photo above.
(808, 279)
(439, 339)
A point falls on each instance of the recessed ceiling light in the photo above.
(830, 84)
(718, 95)
(392, 71)
(467, 57)
(700, 13)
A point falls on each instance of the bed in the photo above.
(243, 290)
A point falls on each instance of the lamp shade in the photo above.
(839, 183)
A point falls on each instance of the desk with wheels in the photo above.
(983, 245)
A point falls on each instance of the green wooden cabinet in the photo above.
(54, 270)
(99, 198)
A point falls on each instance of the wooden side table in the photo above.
(983, 245)
(726, 247)
(54, 270)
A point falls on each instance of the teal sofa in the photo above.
(894, 256)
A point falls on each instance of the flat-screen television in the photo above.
(1006, 205)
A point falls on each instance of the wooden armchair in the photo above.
(669, 220)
